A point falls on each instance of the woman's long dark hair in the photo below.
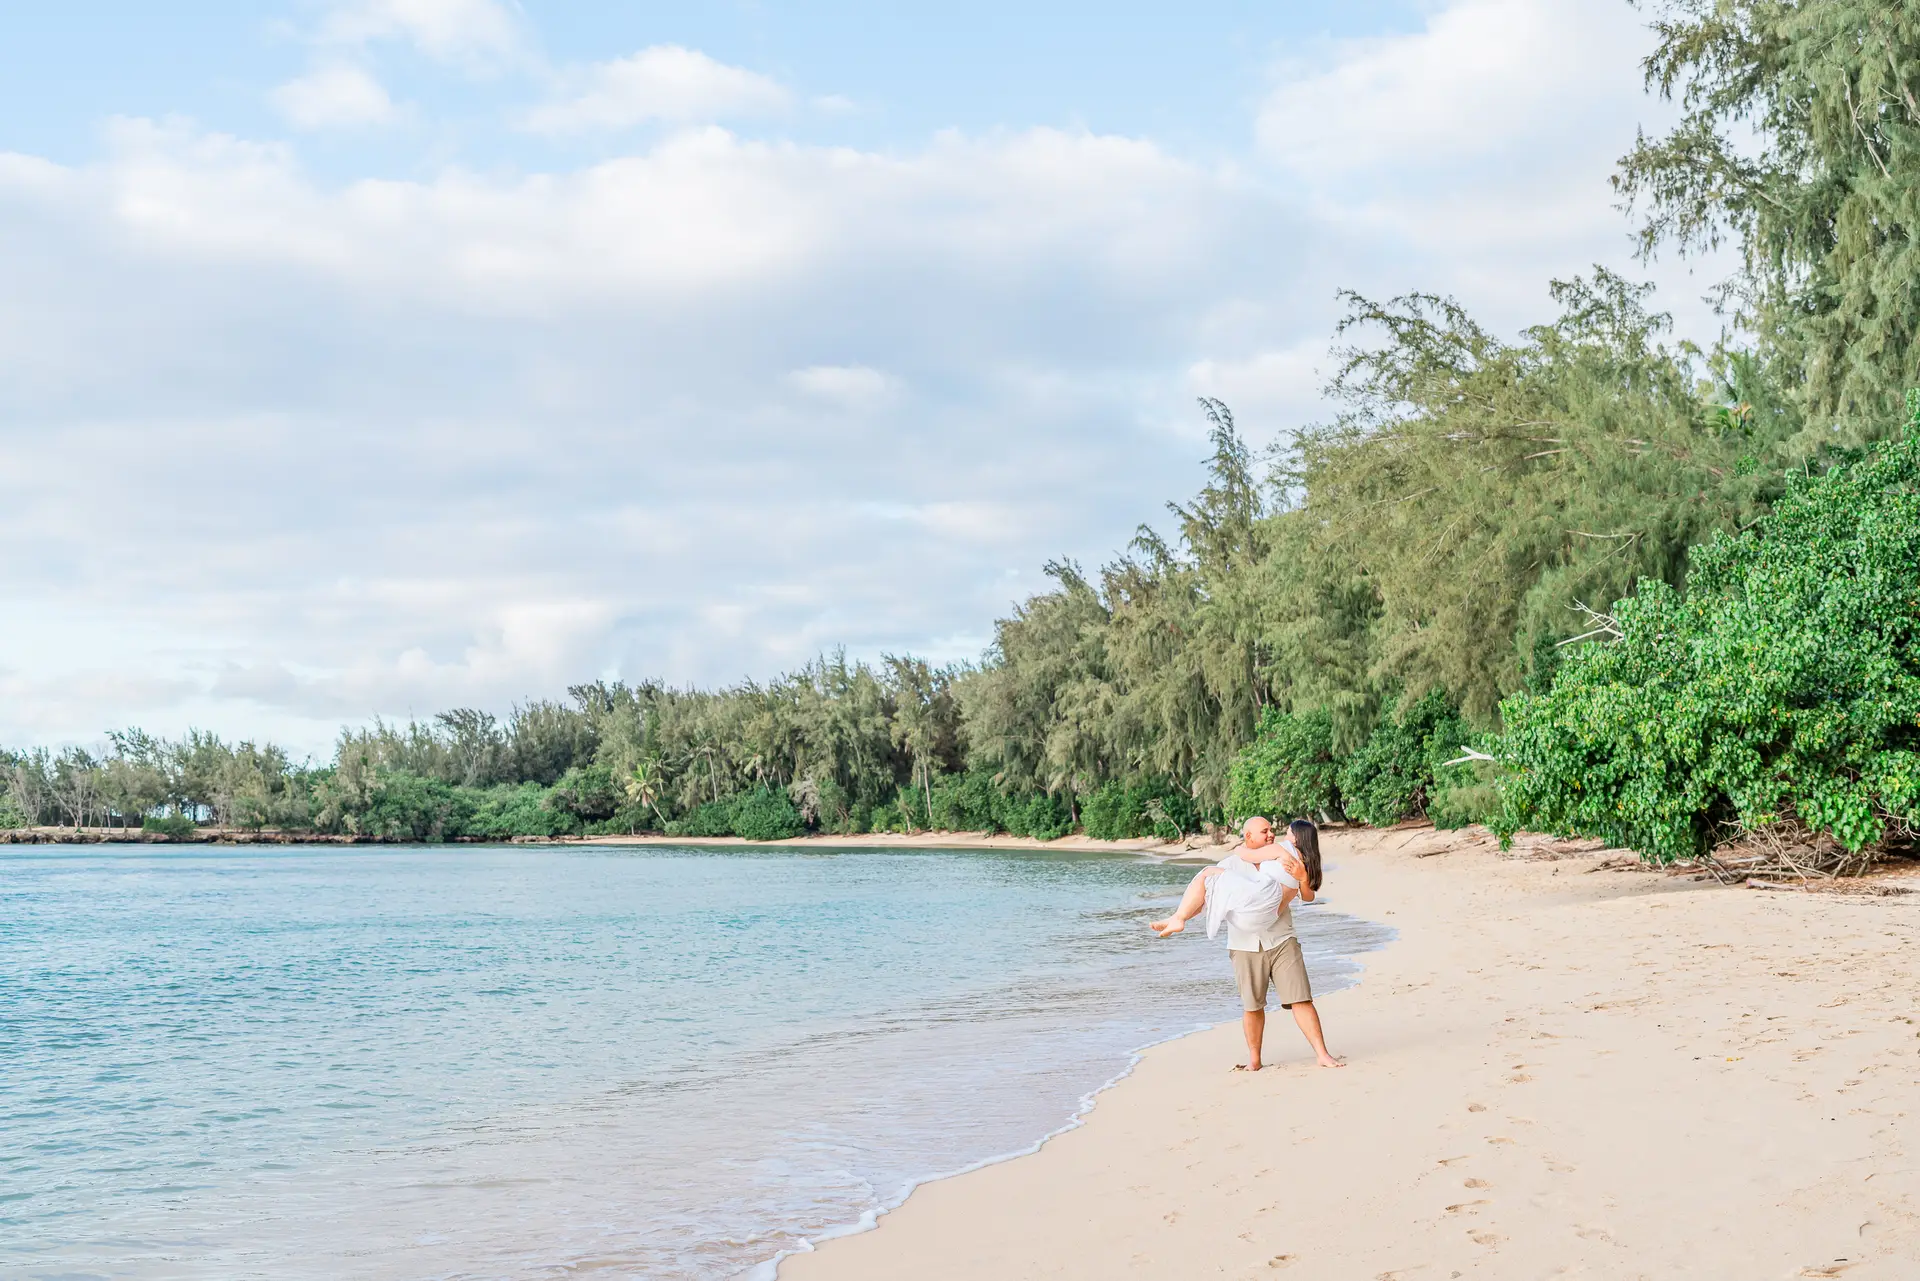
(1306, 839)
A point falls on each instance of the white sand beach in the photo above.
(1559, 1069)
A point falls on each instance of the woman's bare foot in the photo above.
(1327, 1060)
(1246, 1067)
(1172, 925)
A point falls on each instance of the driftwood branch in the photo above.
(1603, 625)
(1467, 754)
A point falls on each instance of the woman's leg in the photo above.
(1308, 1020)
(1191, 904)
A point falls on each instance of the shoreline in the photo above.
(1587, 1126)
(769, 1269)
(1187, 847)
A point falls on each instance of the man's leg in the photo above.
(1308, 1019)
(1254, 1024)
(1250, 975)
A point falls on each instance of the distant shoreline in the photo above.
(1191, 847)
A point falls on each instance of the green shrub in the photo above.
(825, 805)
(173, 826)
(1124, 811)
(1108, 814)
(910, 805)
(1781, 684)
(1289, 771)
(714, 818)
(627, 819)
(510, 810)
(966, 802)
(405, 806)
(766, 815)
(585, 794)
(1040, 816)
(1392, 776)
(1463, 795)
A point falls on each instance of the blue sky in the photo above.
(1187, 74)
(369, 357)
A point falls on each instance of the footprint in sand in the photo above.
(1499, 1138)
(1281, 1261)
(1478, 1183)
(1467, 1205)
(1485, 1238)
(1476, 1107)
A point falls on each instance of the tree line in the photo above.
(1434, 604)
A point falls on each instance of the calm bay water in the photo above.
(495, 1062)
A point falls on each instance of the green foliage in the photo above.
(967, 802)
(1110, 813)
(585, 794)
(1391, 777)
(1289, 771)
(1125, 811)
(10, 815)
(407, 807)
(1800, 142)
(1463, 795)
(1782, 684)
(1472, 492)
(1043, 817)
(711, 818)
(766, 815)
(517, 809)
(174, 826)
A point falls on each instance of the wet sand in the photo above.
(1560, 1069)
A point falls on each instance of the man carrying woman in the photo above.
(1251, 892)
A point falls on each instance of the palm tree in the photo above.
(644, 787)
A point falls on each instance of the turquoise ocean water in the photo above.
(508, 1062)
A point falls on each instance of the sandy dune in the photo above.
(1555, 1071)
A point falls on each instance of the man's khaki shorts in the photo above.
(1283, 968)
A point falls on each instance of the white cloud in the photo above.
(477, 32)
(697, 410)
(334, 96)
(1482, 80)
(855, 386)
(665, 82)
(470, 438)
(1478, 147)
(1280, 386)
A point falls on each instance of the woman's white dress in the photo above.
(1245, 895)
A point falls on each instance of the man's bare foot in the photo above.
(1327, 1060)
(1172, 925)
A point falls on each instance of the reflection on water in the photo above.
(527, 1062)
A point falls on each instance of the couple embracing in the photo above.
(1251, 892)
